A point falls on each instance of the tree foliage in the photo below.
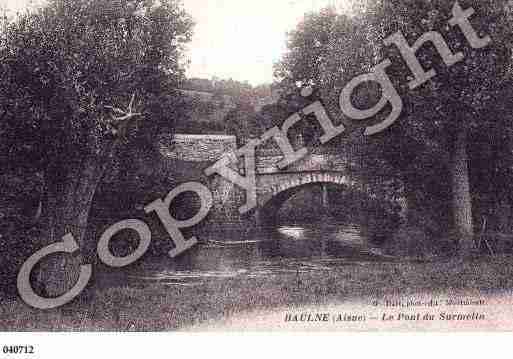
(79, 79)
(328, 49)
(64, 63)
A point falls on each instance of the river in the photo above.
(281, 250)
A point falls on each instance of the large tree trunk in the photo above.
(411, 210)
(500, 187)
(462, 201)
(69, 194)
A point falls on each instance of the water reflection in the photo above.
(292, 232)
(284, 250)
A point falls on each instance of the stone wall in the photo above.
(197, 148)
(205, 149)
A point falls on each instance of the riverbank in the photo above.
(159, 307)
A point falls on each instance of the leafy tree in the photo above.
(78, 78)
(443, 114)
(430, 142)
(326, 50)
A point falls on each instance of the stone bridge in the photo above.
(276, 189)
(274, 186)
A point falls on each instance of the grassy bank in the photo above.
(163, 308)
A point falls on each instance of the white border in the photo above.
(260, 345)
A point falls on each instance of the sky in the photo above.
(239, 39)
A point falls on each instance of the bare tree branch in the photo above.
(120, 123)
(125, 114)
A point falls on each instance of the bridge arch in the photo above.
(271, 201)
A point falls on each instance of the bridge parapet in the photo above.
(197, 148)
(274, 185)
(267, 164)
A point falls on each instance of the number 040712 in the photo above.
(18, 349)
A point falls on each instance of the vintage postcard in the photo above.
(239, 166)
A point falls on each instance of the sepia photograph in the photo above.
(237, 166)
